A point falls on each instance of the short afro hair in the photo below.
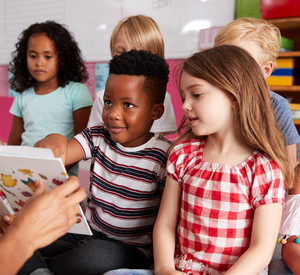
(143, 63)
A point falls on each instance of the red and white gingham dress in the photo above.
(217, 205)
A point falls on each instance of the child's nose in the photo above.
(40, 61)
(186, 106)
(114, 113)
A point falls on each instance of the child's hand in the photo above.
(57, 143)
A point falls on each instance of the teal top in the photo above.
(50, 113)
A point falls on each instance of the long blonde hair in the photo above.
(266, 36)
(142, 32)
(233, 70)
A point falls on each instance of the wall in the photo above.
(92, 22)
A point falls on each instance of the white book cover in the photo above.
(20, 166)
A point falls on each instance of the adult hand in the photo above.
(5, 221)
(48, 216)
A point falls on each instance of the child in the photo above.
(262, 41)
(226, 173)
(47, 69)
(128, 171)
(137, 33)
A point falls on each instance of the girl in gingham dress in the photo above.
(227, 171)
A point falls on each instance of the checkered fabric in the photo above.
(217, 205)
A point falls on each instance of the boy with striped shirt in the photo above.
(128, 172)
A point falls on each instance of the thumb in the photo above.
(40, 189)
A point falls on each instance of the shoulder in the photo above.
(75, 86)
(162, 142)
(25, 95)
(265, 167)
(189, 146)
(267, 181)
(78, 94)
(186, 150)
(94, 135)
(100, 94)
(278, 101)
(97, 131)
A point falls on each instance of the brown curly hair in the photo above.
(71, 65)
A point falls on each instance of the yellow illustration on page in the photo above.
(8, 181)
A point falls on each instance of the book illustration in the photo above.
(8, 181)
(26, 172)
(18, 173)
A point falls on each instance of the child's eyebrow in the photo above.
(45, 52)
(127, 98)
(194, 86)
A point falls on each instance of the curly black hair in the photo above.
(71, 65)
(152, 66)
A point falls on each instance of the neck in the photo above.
(226, 149)
(45, 88)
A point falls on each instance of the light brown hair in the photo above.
(233, 70)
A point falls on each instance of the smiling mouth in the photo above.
(192, 120)
(116, 130)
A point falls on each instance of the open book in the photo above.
(20, 166)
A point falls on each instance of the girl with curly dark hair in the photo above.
(47, 69)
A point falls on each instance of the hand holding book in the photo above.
(20, 167)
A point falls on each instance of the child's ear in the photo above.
(157, 111)
(268, 69)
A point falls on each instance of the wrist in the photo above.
(18, 241)
(23, 240)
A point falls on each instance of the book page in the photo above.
(18, 173)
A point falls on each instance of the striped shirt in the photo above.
(126, 184)
(217, 205)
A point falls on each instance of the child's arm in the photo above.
(81, 118)
(265, 229)
(291, 254)
(164, 233)
(69, 150)
(16, 131)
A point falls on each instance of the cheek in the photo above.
(29, 63)
(104, 115)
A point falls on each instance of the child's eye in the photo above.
(107, 103)
(196, 95)
(48, 56)
(32, 56)
(128, 105)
